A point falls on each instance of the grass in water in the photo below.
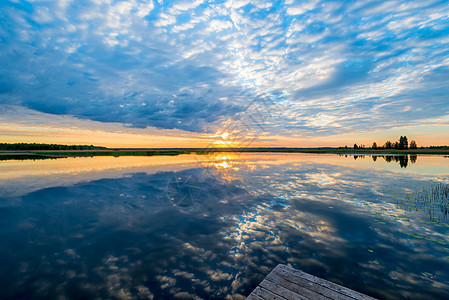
(432, 200)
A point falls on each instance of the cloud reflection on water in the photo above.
(124, 237)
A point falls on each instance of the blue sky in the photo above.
(319, 68)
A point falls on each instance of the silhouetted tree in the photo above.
(403, 142)
(355, 146)
(396, 145)
(413, 145)
(388, 145)
(374, 146)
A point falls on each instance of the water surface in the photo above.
(212, 226)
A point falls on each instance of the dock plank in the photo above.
(301, 288)
(266, 294)
(318, 286)
(284, 282)
(297, 274)
(253, 297)
(281, 290)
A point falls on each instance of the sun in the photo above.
(223, 139)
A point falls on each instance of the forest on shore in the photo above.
(34, 146)
(401, 144)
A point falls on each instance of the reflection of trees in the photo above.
(25, 157)
(401, 159)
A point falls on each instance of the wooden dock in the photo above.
(284, 282)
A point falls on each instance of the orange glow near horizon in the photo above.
(117, 136)
(125, 140)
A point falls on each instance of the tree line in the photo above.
(34, 146)
(401, 144)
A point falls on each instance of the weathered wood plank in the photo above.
(266, 294)
(309, 285)
(281, 290)
(253, 297)
(284, 282)
(294, 275)
(301, 288)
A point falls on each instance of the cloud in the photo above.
(133, 61)
(299, 9)
(105, 67)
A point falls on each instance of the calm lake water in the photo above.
(213, 226)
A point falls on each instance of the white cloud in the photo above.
(219, 25)
(144, 8)
(42, 15)
(301, 8)
(183, 27)
(165, 20)
(185, 6)
(236, 4)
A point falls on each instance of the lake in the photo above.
(213, 226)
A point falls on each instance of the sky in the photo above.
(154, 73)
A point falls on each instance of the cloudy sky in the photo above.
(282, 73)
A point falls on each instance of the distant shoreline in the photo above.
(48, 154)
